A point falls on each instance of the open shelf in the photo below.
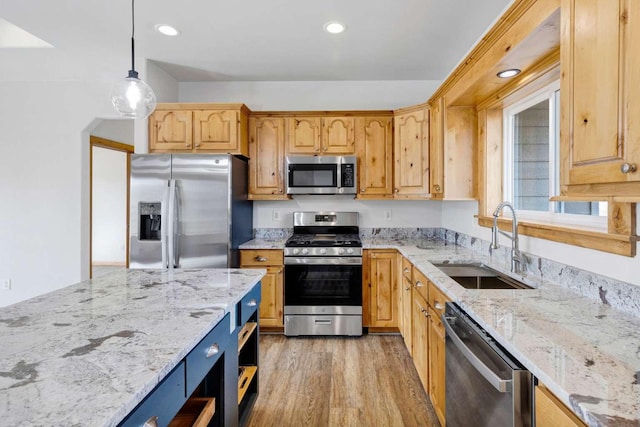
(197, 412)
(245, 379)
(245, 334)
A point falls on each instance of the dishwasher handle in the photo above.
(503, 386)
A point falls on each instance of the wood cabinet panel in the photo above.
(411, 151)
(215, 130)
(420, 338)
(272, 303)
(170, 130)
(338, 135)
(421, 284)
(600, 131)
(407, 302)
(374, 148)
(266, 158)
(380, 289)
(550, 412)
(437, 368)
(304, 135)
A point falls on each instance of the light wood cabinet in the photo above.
(266, 158)
(437, 344)
(320, 135)
(406, 302)
(272, 304)
(600, 97)
(411, 154)
(374, 148)
(381, 288)
(202, 128)
(420, 337)
(550, 412)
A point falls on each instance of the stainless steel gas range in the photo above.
(323, 275)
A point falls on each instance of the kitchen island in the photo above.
(89, 353)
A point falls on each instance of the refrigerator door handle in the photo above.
(164, 211)
(171, 223)
(176, 224)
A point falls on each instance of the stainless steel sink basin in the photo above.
(479, 276)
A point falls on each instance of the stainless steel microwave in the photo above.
(321, 175)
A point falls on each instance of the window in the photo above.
(532, 158)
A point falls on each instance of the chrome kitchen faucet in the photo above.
(515, 252)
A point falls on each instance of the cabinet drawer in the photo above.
(261, 257)
(202, 358)
(407, 269)
(249, 304)
(437, 299)
(163, 402)
(421, 284)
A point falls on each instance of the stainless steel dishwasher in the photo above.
(485, 386)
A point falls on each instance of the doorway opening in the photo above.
(109, 169)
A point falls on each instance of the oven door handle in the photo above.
(503, 386)
(354, 260)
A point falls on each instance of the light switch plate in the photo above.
(387, 214)
(5, 284)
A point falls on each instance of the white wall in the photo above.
(119, 130)
(109, 210)
(312, 95)
(404, 213)
(44, 177)
(458, 216)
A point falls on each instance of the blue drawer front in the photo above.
(202, 358)
(249, 304)
(163, 402)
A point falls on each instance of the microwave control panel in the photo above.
(348, 175)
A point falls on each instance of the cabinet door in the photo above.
(420, 338)
(436, 146)
(266, 162)
(411, 151)
(374, 148)
(437, 365)
(303, 136)
(272, 306)
(170, 131)
(550, 412)
(406, 312)
(383, 284)
(338, 135)
(600, 130)
(216, 130)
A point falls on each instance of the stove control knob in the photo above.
(350, 250)
(305, 251)
(295, 251)
(323, 251)
(340, 251)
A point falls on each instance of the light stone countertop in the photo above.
(87, 354)
(586, 353)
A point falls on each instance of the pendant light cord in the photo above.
(133, 31)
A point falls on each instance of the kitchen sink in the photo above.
(480, 276)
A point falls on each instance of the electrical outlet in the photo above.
(387, 214)
(276, 215)
(5, 284)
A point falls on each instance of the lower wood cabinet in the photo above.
(550, 412)
(380, 289)
(437, 386)
(272, 305)
(420, 338)
(406, 301)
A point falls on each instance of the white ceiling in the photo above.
(251, 40)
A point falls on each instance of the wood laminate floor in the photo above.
(338, 381)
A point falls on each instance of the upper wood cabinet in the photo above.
(600, 97)
(411, 153)
(266, 158)
(374, 148)
(320, 135)
(205, 128)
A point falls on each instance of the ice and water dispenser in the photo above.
(150, 220)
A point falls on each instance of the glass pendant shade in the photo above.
(132, 97)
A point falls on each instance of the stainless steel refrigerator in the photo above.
(188, 210)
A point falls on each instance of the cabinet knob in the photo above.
(187, 145)
(407, 288)
(213, 350)
(437, 306)
(395, 190)
(362, 190)
(406, 270)
(317, 150)
(261, 258)
(324, 149)
(151, 422)
(252, 303)
(436, 187)
(628, 167)
(418, 284)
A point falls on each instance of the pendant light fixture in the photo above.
(132, 97)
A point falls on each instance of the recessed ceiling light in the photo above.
(167, 30)
(334, 27)
(504, 74)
